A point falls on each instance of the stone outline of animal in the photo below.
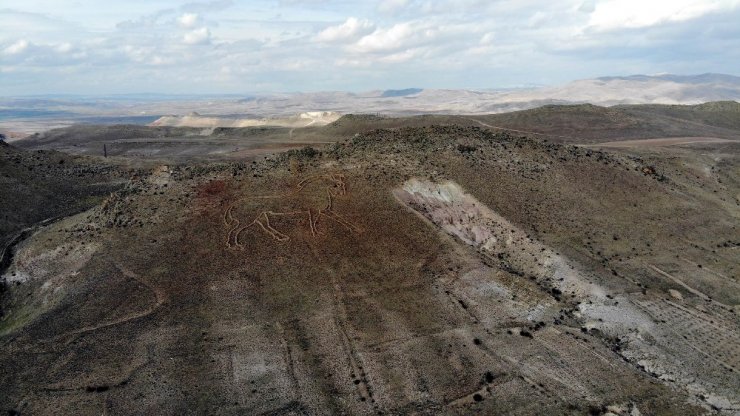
(336, 188)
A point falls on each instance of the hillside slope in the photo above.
(428, 270)
(591, 124)
(725, 114)
(36, 186)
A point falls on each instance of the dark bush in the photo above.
(463, 148)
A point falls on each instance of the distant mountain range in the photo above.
(686, 79)
(605, 91)
(401, 93)
(22, 115)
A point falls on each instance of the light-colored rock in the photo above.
(675, 294)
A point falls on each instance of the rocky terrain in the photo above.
(44, 185)
(429, 265)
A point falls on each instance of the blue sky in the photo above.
(234, 46)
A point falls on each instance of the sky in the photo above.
(93, 47)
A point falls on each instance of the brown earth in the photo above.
(429, 270)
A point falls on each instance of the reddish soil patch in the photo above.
(212, 189)
(212, 196)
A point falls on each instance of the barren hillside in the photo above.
(431, 270)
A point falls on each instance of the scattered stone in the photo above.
(675, 294)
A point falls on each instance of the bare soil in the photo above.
(429, 270)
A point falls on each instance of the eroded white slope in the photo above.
(309, 118)
(650, 345)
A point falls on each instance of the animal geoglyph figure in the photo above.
(336, 186)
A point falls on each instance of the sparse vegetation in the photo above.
(544, 283)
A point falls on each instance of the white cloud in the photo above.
(49, 55)
(348, 31)
(390, 39)
(208, 6)
(352, 63)
(449, 43)
(188, 20)
(200, 36)
(587, 6)
(390, 6)
(65, 47)
(16, 48)
(415, 34)
(158, 60)
(616, 14)
(399, 57)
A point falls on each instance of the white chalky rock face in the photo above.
(320, 115)
(447, 206)
(460, 214)
(310, 118)
(55, 264)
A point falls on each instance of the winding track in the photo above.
(159, 295)
(534, 133)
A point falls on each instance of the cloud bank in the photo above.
(308, 45)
